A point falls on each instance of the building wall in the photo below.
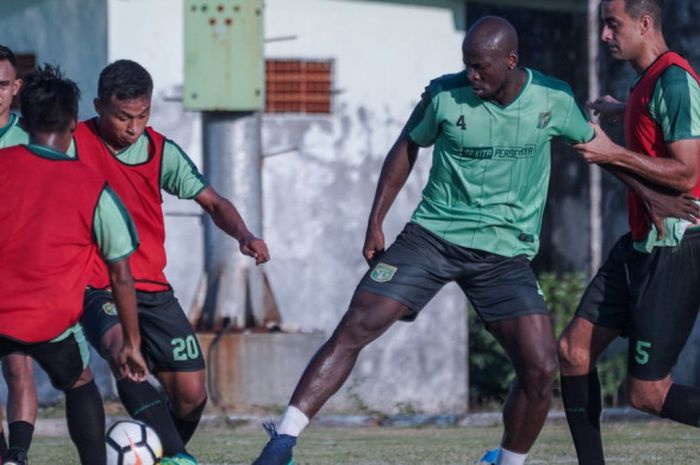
(57, 32)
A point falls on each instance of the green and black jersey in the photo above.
(491, 163)
(12, 134)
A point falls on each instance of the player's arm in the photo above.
(659, 203)
(678, 172)
(227, 218)
(608, 108)
(116, 238)
(180, 177)
(421, 129)
(395, 170)
(675, 108)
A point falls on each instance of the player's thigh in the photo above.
(502, 288)
(606, 301)
(666, 303)
(64, 359)
(167, 337)
(99, 318)
(412, 270)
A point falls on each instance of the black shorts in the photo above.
(168, 341)
(63, 359)
(419, 263)
(651, 298)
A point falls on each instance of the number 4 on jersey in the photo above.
(461, 123)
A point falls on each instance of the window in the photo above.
(298, 86)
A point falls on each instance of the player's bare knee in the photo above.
(572, 359)
(539, 378)
(85, 377)
(646, 396)
(190, 406)
(355, 331)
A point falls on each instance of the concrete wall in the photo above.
(70, 33)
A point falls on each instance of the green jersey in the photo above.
(12, 133)
(491, 163)
(675, 107)
(112, 226)
(178, 175)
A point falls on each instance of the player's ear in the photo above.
(512, 60)
(97, 103)
(646, 23)
(73, 125)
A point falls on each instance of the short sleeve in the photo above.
(675, 105)
(423, 126)
(179, 176)
(114, 230)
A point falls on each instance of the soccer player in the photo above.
(139, 162)
(56, 218)
(478, 224)
(647, 288)
(16, 368)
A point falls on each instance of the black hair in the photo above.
(125, 79)
(48, 101)
(653, 8)
(7, 55)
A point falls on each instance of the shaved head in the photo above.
(491, 35)
(490, 54)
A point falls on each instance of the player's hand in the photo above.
(131, 364)
(254, 247)
(600, 150)
(662, 205)
(374, 244)
(608, 109)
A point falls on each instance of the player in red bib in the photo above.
(57, 217)
(139, 163)
(647, 288)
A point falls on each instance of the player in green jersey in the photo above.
(16, 368)
(478, 224)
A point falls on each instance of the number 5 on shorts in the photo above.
(184, 349)
(642, 350)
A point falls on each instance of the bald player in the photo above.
(477, 224)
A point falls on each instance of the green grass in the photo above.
(626, 443)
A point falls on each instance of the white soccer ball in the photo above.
(132, 442)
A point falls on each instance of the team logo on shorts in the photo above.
(383, 272)
(109, 308)
(544, 120)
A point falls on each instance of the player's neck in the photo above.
(59, 141)
(512, 88)
(649, 54)
(4, 119)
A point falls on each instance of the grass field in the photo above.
(626, 443)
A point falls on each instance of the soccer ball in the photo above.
(132, 442)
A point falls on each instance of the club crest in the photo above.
(109, 308)
(544, 120)
(383, 273)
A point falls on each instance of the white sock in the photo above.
(293, 422)
(510, 458)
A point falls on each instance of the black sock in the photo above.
(682, 404)
(582, 403)
(86, 423)
(20, 433)
(143, 403)
(3, 445)
(187, 426)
